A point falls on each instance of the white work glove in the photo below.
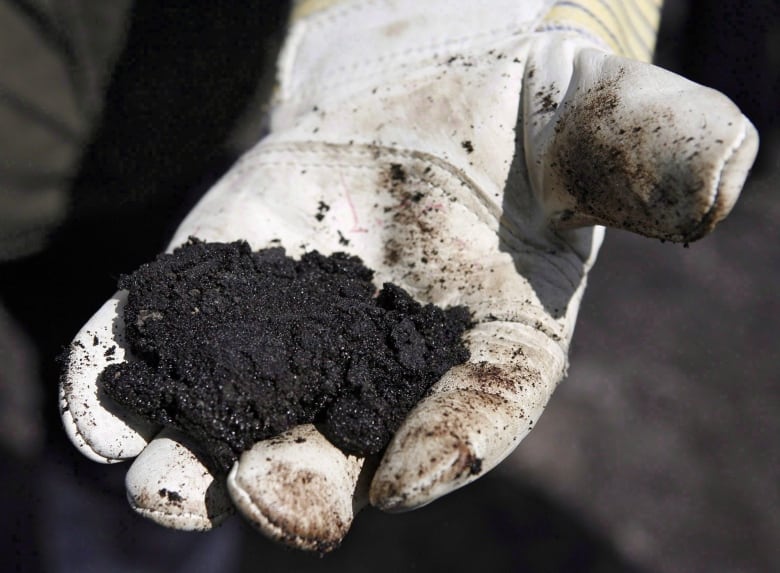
(465, 152)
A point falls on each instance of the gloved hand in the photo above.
(465, 152)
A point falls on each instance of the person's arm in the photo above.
(521, 129)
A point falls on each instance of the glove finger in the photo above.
(299, 489)
(473, 418)
(98, 426)
(171, 485)
(632, 146)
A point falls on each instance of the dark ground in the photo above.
(664, 436)
(658, 453)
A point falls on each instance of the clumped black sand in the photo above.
(236, 346)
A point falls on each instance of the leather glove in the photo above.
(470, 153)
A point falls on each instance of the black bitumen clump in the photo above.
(234, 346)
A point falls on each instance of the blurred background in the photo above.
(657, 453)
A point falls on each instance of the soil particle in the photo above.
(234, 346)
(322, 208)
(474, 465)
(546, 99)
(173, 496)
(397, 173)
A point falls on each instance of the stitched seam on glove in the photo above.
(315, 155)
(709, 217)
(185, 516)
(389, 62)
(386, 66)
(70, 425)
(273, 527)
(552, 26)
(259, 156)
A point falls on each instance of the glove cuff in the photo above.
(625, 28)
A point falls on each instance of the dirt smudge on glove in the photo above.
(628, 166)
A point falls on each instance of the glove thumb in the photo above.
(630, 145)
